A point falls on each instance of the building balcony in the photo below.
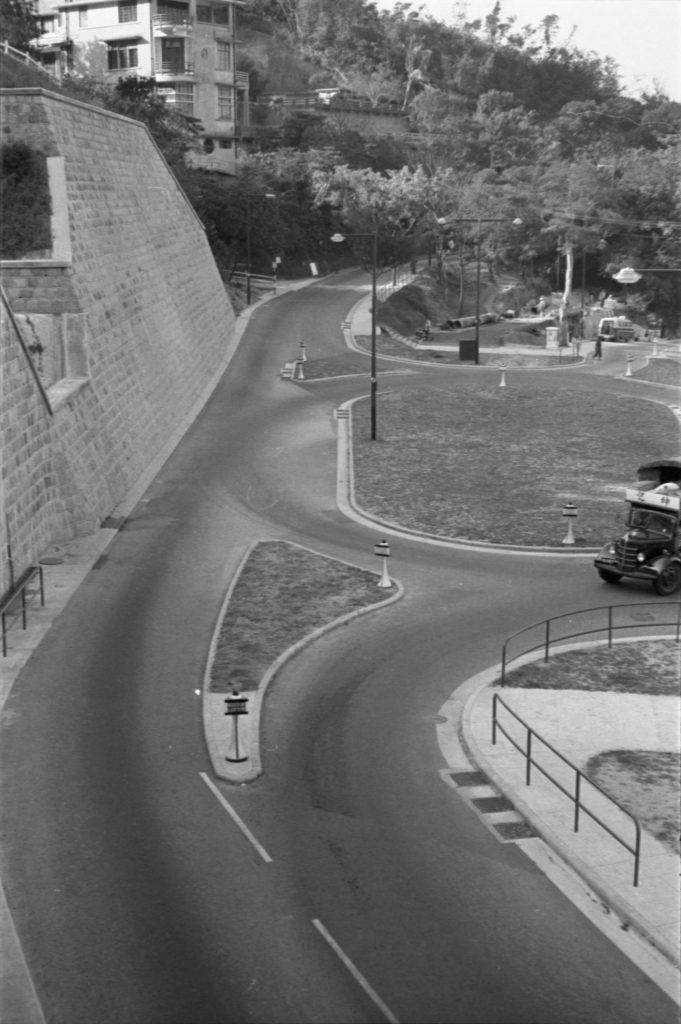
(171, 25)
(172, 70)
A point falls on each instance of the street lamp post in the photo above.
(479, 221)
(373, 378)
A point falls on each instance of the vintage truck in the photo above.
(616, 328)
(650, 547)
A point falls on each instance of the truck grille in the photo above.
(625, 555)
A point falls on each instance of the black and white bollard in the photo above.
(630, 360)
(236, 705)
(298, 373)
(502, 382)
(382, 550)
(302, 357)
(570, 513)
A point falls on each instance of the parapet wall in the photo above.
(136, 313)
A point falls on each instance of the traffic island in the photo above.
(283, 597)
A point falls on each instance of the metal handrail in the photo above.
(635, 850)
(549, 637)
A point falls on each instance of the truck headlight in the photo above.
(640, 557)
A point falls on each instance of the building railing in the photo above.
(175, 18)
(575, 795)
(602, 623)
(20, 55)
(173, 70)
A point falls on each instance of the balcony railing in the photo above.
(172, 18)
(173, 69)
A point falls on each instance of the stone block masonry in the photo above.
(153, 317)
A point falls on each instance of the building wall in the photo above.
(198, 45)
(140, 309)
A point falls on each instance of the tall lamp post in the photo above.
(374, 251)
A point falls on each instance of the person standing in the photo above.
(598, 350)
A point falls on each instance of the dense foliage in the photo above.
(19, 23)
(25, 202)
(507, 123)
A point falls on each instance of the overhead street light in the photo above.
(373, 379)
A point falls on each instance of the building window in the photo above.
(213, 15)
(224, 56)
(122, 54)
(184, 97)
(225, 103)
(127, 12)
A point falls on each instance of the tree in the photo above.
(19, 23)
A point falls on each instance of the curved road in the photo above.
(372, 893)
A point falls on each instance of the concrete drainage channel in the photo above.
(495, 811)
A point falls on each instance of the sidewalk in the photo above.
(579, 725)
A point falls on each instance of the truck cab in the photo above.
(650, 547)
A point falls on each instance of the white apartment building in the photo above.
(186, 46)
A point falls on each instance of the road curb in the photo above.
(628, 914)
(219, 734)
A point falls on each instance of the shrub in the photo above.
(25, 202)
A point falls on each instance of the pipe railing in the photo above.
(576, 794)
(604, 621)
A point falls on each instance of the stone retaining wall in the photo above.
(152, 315)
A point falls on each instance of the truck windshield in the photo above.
(654, 522)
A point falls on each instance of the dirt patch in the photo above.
(282, 594)
(648, 784)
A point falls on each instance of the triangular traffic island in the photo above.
(282, 597)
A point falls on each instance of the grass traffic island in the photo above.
(282, 594)
(481, 463)
(645, 782)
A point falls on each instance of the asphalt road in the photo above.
(374, 894)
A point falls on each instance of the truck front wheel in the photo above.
(609, 577)
(669, 580)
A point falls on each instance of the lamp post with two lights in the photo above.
(478, 259)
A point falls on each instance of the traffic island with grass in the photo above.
(476, 462)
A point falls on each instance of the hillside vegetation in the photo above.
(520, 147)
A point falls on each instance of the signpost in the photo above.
(236, 706)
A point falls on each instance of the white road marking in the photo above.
(235, 817)
(357, 975)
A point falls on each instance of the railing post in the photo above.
(528, 757)
(547, 640)
(637, 851)
(609, 625)
(503, 663)
(578, 779)
(494, 719)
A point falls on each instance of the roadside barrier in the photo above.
(16, 601)
(575, 795)
(638, 620)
